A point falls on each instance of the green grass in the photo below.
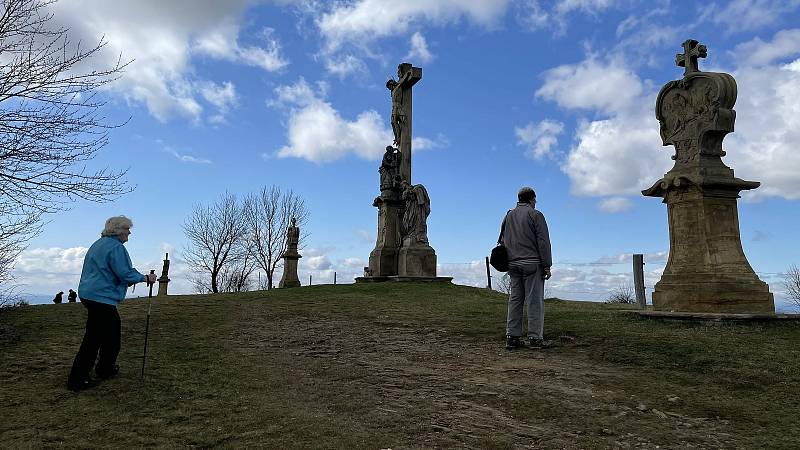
(398, 366)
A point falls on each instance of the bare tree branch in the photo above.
(268, 215)
(791, 281)
(50, 124)
(215, 235)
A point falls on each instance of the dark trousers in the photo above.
(103, 335)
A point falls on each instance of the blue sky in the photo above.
(231, 96)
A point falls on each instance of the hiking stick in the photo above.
(147, 324)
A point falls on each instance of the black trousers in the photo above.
(103, 335)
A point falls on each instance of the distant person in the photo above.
(58, 298)
(107, 273)
(524, 233)
(72, 296)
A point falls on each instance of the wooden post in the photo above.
(488, 275)
(334, 278)
(638, 279)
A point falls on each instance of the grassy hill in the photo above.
(398, 366)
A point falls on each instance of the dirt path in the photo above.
(443, 389)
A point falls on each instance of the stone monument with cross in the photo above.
(707, 270)
(402, 251)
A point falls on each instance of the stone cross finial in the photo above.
(688, 59)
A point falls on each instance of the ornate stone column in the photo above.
(707, 270)
(290, 257)
(164, 280)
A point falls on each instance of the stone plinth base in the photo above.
(383, 262)
(713, 295)
(707, 271)
(383, 258)
(416, 261)
(405, 279)
(716, 317)
(289, 278)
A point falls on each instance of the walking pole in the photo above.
(147, 324)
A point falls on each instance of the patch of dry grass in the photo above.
(400, 366)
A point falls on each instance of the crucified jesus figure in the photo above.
(397, 88)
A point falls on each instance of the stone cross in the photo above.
(688, 59)
(407, 76)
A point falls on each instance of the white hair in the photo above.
(115, 225)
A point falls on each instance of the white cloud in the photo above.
(620, 154)
(785, 43)
(317, 263)
(763, 148)
(539, 138)
(419, 49)
(182, 157)
(222, 43)
(344, 65)
(363, 21)
(537, 14)
(423, 143)
(67, 261)
(615, 205)
(609, 87)
(223, 97)
(748, 15)
(318, 133)
(162, 38)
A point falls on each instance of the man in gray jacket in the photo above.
(524, 233)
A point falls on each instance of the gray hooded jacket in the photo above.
(524, 233)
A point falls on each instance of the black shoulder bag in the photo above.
(499, 256)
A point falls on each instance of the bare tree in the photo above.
(268, 214)
(504, 283)
(791, 281)
(622, 294)
(237, 276)
(50, 124)
(216, 236)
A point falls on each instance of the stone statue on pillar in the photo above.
(164, 280)
(291, 257)
(707, 270)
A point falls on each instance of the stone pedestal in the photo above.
(707, 270)
(383, 258)
(164, 280)
(416, 260)
(289, 278)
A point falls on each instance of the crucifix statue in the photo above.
(407, 76)
(688, 59)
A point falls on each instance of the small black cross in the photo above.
(688, 59)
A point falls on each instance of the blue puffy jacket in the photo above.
(107, 272)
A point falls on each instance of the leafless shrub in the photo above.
(504, 284)
(623, 294)
(791, 281)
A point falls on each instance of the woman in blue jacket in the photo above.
(107, 273)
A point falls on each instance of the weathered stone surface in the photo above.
(383, 258)
(707, 270)
(417, 261)
(163, 280)
(290, 257)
